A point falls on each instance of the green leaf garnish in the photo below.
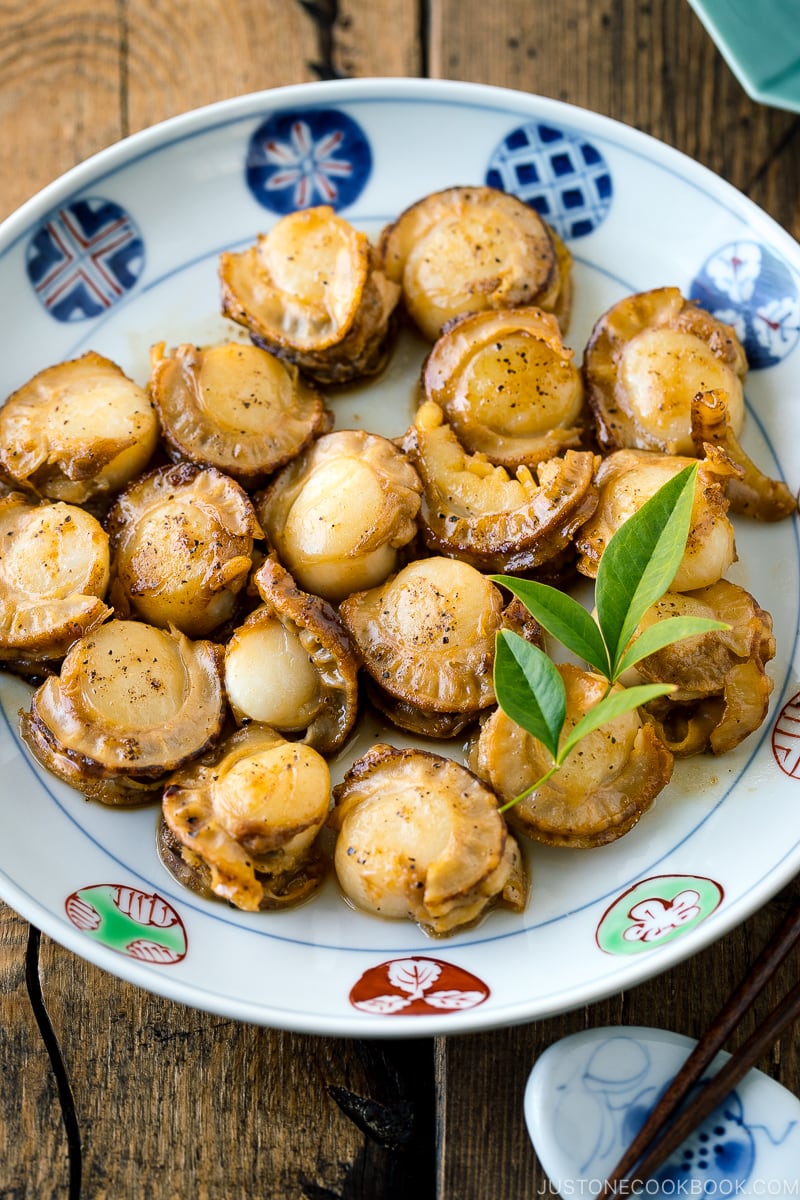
(533, 691)
(612, 705)
(563, 617)
(640, 561)
(636, 568)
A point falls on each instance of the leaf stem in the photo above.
(533, 787)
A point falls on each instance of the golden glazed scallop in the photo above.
(647, 358)
(469, 249)
(420, 838)
(341, 512)
(241, 824)
(77, 431)
(54, 573)
(722, 689)
(291, 664)
(602, 789)
(427, 640)
(751, 492)
(508, 386)
(131, 703)
(312, 290)
(181, 546)
(629, 477)
(477, 512)
(235, 407)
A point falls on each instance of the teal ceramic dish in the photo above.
(760, 41)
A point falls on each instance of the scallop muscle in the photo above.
(235, 407)
(627, 478)
(477, 512)
(340, 513)
(647, 358)
(131, 703)
(427, 635)
(291, 664)
(182, 544)
(469, 249)
(508, 386)
(751, 492)
(77, 431)
(313, 291)
(599, 792)
(241, 824)
(420, 838)
(54, 573)
(721, 687)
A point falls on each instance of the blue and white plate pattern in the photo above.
(749, 287)
(635, 215)
(314, 156)
(559, 172)
(84, 258)
(589, 1094)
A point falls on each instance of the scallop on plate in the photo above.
(132, 263)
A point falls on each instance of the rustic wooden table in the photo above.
(125, 1095)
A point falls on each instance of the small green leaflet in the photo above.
(641, 560)
(533, 690)
(564, 618)
(636, 568)
(613, 704)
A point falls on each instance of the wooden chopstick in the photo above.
(668, 1125)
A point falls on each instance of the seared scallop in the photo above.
(181, 546)
(468, 249)
(77, 431)
(750, 492)
(629, 477)
(420, 838)
(130, 704)
(312, 290)
(647, 358)
(54, 573)
(602, 788)
(235, 407)
(341, 512)
(508, 386)
(721, 687)
(241, 823)
(291, 665)
(427, 639)
(479, 513)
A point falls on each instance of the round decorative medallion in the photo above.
(138, 924)
(417, 986)
(314, 156)
(84, 258)
(748, 287)
(786, 738)
(655, 911)
(557, 172)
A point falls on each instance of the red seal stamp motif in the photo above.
(417, 986)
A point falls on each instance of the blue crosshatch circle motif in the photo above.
(308, 157)
(748, 287)
(557, 172)
(84, 258)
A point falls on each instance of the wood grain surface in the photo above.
(150, 1099)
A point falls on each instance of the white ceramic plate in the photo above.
(122, 252)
